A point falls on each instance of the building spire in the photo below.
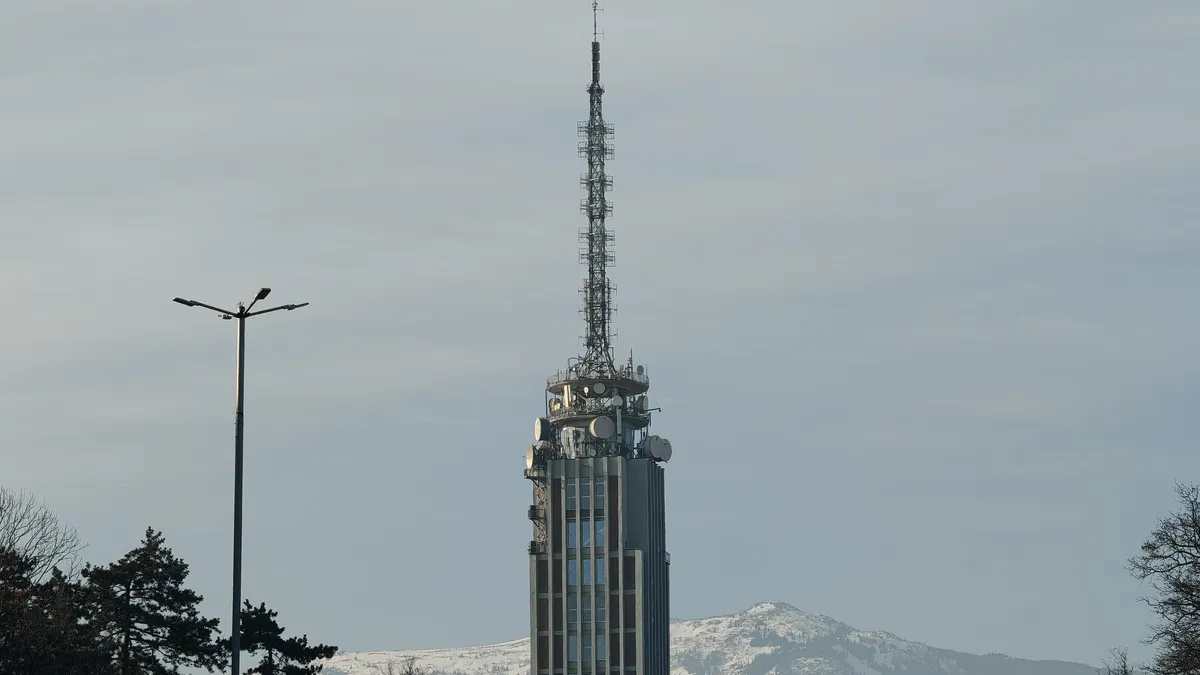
(597, 289)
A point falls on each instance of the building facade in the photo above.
(599, 589)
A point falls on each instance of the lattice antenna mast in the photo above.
(596, 253)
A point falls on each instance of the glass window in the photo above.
(570, 494)
(572, 579)
(571, 534)
(587, 572)
(572, 608)
(587, 610)
(599, 492)
(601, 648)
(572, 647)
(587, 649)
(599, 534)
(599, 570)
(600, 609)
(585, 536)
(585, 494)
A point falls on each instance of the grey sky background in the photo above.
(914, 282)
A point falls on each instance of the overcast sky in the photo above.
(915, 284)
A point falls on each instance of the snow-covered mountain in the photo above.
(766, 639)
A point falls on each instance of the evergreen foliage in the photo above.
(42, 627)
(131, 617)
(147, 620)
(263, 636)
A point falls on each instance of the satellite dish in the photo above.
(641, 403)
(641, 370)
(530, 454)
(602, 427)
(658, 448)
(542, 429)
(617, 400)
(555, 403)
(598, 388)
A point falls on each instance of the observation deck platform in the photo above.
(625, 381)
(581, 414)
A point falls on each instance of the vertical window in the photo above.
(587, 649)
(599, 570)
(587, 572)
(585, 494)
(571, 534)
(600, 612)
(572, 608)
(599, 534)
(570, 494)
(572, 648)
(601, 648)
(587, 610)
(585, 535)
(572, 578)
(598, 493)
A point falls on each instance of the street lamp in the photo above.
(241, 315)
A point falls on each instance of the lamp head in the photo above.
(262, 294)
(186, 303)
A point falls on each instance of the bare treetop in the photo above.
(30, 529)
(1170, 564)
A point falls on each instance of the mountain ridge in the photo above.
(767, 638)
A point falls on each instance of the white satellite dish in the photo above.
(617, 400)
(665, 453)
(641, 370)
(542, 429)
(530, 454)
(654, 446)
(641, 403)
(603, 427)
(598, 388)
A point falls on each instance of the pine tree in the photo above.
(280, 655)
(16, 608)
(42, 627)
(147, 620)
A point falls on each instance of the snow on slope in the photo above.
(730, 644)
(766, 639)
(506, 658)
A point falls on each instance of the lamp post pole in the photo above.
(242, 313)
(239, 423)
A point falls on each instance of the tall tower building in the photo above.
(599, 592)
